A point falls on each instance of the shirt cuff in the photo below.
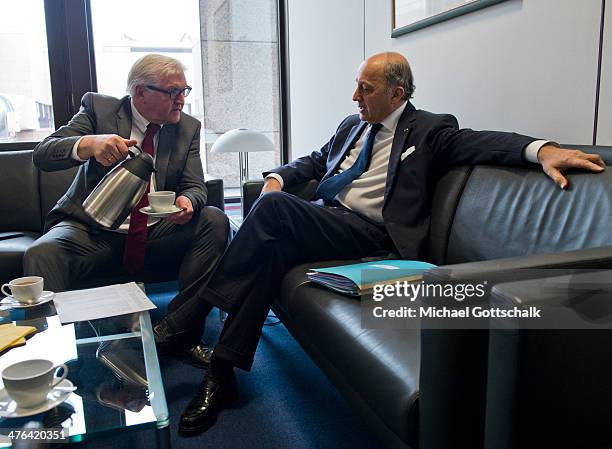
(278, 177)
(74, 154)
(531, 151)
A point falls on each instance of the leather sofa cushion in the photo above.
(11, 255)
(19, 201)
(523, 209)
(380, 366)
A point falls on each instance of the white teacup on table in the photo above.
(25, 289)
(162, 201)
(29, 382)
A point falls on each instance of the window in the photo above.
(230, 49)
(26, 112)
(241, 81)
(167, 28)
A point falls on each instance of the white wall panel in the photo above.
(522, 65)
(325, 50)
(604, 127)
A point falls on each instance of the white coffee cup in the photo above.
(26, 289)
(29, 382)
(162, 201)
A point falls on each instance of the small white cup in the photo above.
(162, 201)
(26, 289)
(29, 382)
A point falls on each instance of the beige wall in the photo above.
(522, 65)
(325, 40)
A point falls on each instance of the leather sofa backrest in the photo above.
(19, 200)
(510, 211)
(215, 192)
(444, 203)
(28, 194)
(52, 186)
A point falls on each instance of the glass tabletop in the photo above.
(112, 362)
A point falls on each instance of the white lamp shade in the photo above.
(243, 141)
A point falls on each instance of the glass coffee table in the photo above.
(113, 364)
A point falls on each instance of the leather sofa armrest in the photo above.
(454, 362)
(523, 267)
(570, 291)
(538, 378)
(252, 189)
(250, 193)
(215, 192)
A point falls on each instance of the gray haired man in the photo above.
(96, 139)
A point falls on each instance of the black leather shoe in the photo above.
(198, 355)
(166, 338)
(174, 343)
(212, 397)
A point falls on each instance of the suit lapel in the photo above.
(162, 155)
(349, 143)
(124, 118)
(402, 131)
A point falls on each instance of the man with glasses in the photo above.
(96, 139)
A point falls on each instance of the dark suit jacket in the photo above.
(178, 163)
(438, 142)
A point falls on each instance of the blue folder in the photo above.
(357, 279)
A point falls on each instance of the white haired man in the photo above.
(96, 139)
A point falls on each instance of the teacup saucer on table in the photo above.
(9, 408)
(16, 304)
(148, 211)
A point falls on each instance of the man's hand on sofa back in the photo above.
(555, 161)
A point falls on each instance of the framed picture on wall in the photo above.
(411, 15)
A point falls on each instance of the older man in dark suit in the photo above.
(375, 186)
(97, 138)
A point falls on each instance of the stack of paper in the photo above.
(357, 279)
(101, 302)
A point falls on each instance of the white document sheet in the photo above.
(101, 302)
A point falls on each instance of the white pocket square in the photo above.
(408, 152)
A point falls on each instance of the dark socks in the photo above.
(219, 368)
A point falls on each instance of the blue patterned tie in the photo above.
(329, 188)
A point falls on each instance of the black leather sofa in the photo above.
(28, 194)
(428, 388)
(551, 388)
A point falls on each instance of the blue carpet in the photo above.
(285, 401)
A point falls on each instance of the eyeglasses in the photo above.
(172, 93)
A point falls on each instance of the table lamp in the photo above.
(242, 141)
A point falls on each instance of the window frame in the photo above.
(71, 55)
(73, 70)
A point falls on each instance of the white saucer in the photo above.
(9, 409)
(148, 211)
(16, 304)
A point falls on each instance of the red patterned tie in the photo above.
(136, 241)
